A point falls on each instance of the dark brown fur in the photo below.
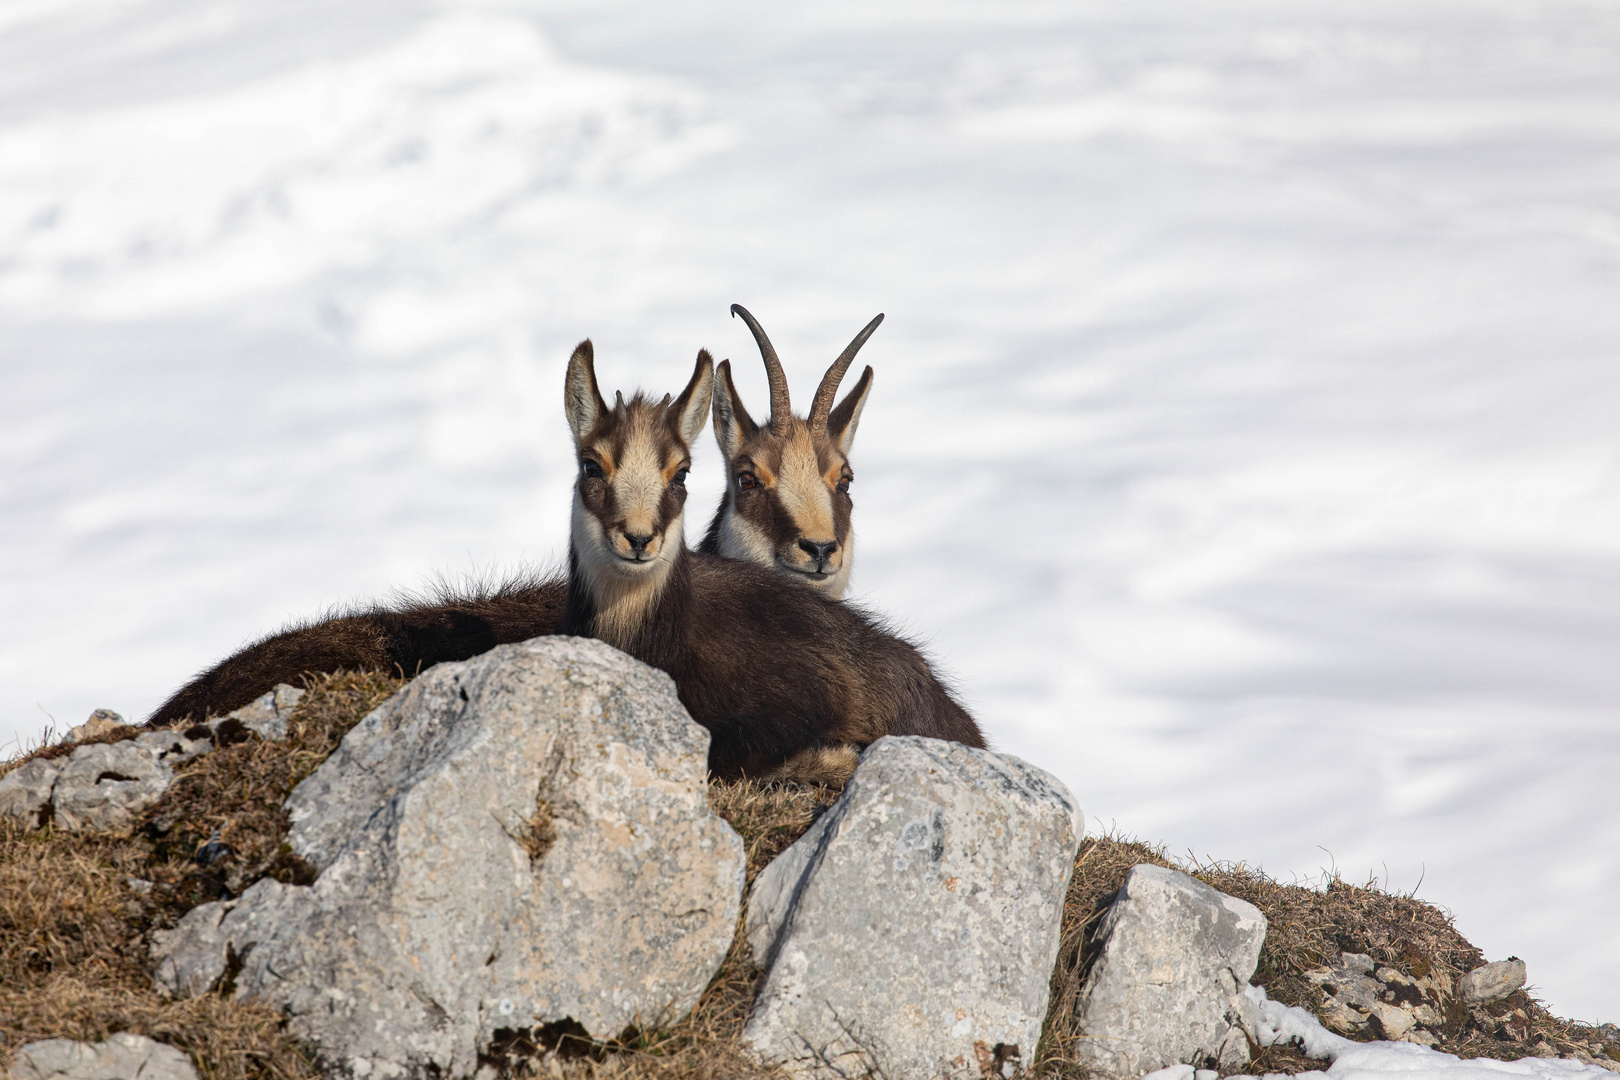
(410, 639)
(772, 669)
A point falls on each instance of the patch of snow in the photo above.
(1369, 1060)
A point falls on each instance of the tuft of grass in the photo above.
(769, 817)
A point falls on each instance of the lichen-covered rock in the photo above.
(1349, 992)
(1492, 982)
(102, 787)
(1392, 1022)
(191, 958)
(121, 1057)
(25, 792)
(105, 786)
(99, 723)
(266, 715)
(912, 930)
(172, 748)
(1166, 987)
(515, 840)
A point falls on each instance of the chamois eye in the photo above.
(747, 481)
(843, 485)
(591, 470)
(680, 475)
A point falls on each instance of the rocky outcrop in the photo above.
(512, 841)
(102, 787)
(912, 930)
(25, 792)
(106, 786)
(120, 1057)
(101, 722)
(1166, 987)
(266, 715)
(1360, 997)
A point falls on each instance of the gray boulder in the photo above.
(193, 956)
(1166, 987)
(104, 787)
(912, 930)
(120, 1057)
(170, 747)
(25, 792)
(266, 715)
(99, 723)
(1493, 981)
(511, 841)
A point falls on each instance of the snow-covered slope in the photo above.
(1244, 432)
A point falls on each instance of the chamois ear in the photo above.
(844, 419)
(732, 424)
(691, 409)
(582, 401)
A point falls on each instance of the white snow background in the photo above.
(1246, 433)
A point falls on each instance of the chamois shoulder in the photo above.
(414, 632)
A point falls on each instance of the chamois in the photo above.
(787, 484)
(777, 672)
(456, 626)
(408, 639)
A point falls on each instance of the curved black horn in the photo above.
(781, 408)
(822, 405)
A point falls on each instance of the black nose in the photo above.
(638, 544)
(819, 550)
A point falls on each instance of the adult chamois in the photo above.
(459, 624)
(778, 673)
(787, 498)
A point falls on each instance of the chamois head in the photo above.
(787, 501)
(631, 489)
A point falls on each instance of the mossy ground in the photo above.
(77, 913)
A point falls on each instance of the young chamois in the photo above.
(456, 625)
(777, 672)
(787, 484)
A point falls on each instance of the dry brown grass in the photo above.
(72, 965)
(234, 796)
(76, 914)
(77, 911)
